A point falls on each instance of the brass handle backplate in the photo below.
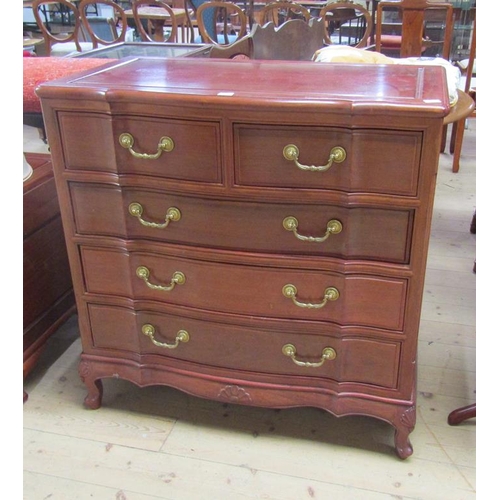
(149, 331)
(166, 144)
(173, 214)
(328, 354)
(337, 155)
(178, 278)
(333, 226)
(290, 292)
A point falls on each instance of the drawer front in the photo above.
(46, 274)
(359, 300)
(92, 142)
(348, 233)
(379, 161)
(40, 205)
(368, 361)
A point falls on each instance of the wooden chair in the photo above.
(148, 29)
(294, 40)
(413, 42)
(61, 44)
(221, 23)
(346, 24)
(458, 128)
(107, 30)
(190, 7)
(410, 38)
(280, 12)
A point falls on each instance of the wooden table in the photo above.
(462, 109)
(159, 18)
(32, 42)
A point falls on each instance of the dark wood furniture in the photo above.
(413, 42)
(48, 298)
(241, 233)
(294, 40)
(459, 415)
(412, 39)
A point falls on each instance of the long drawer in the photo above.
(275, 292)
(146, 146)
(372, 161)
(350, 359)
(296, 229)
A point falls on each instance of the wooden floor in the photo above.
(158, 443)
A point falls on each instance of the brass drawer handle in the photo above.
(127, 141)
(333, 226)
(173, 214)
(290, 350)
(290, 292)
(337, 155)
(178, 278)
(149, 331)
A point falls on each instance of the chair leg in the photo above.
(460, 414)
(456, 144)
(443, 138)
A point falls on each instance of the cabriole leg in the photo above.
(94, 386)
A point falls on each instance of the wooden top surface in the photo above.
(347, 87)
(149, 12)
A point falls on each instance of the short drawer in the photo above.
(376, 161)
(174, 149)
(350, 359)
(292, 229)
(246, 289)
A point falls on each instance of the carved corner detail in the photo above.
(234, 394)
(409, 417)
(84, 370)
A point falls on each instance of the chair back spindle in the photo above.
(346, 24)
(412, 41)
(146, 28)
(103, 30)
(62, 43)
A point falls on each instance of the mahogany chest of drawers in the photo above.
(48, 298)
(251, 232)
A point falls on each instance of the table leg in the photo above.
(158, 25)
